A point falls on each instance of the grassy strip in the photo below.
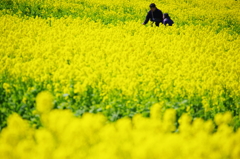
(107, 14)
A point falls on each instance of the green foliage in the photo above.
(22, 100)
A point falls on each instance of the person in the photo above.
(167, 19)
(155, 15)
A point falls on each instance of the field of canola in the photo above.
(84, 79)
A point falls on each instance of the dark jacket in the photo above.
(168, 21)
(156, 16)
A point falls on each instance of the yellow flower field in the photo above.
(65, 136)
(130, 91)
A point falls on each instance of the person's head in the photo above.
(153, 7)
(165, 15)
